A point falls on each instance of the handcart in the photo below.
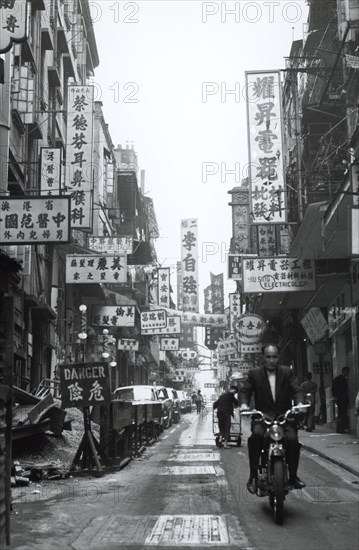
(236, 428)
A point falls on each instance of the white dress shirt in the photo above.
(272, 378)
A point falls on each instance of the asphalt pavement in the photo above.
(185, 493)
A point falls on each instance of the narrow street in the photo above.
(184, 492)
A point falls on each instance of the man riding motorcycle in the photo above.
(274, 387)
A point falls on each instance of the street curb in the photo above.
(330, 459)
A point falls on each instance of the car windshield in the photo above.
(134, 394)
(162, 394)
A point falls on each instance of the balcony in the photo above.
(54, 77)
(62, 41)
(47, 42)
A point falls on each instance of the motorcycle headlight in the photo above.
(276, 432)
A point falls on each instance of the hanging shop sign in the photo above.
(240, 223)
(163, 286)
(277, 275)
(207, 293)
(34, 220)
(13, 23)
(338, 316)
(50, 170)
(314, 324)
(84, 384)
(204, 320)
(169, 344)
(189, 267)
(187, 354)
(95, 269)
(266, 240)
(217, 293)
(264, 113)
(128, 344)
(79, 154)
(355, 232)
(250, 348)
(234, 310)
(113, 316)
(250, 328)
(153, 319)
(354, 175)
(234, 267)
(173, 326)
(227, 347)
(111, 245)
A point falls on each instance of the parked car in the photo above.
(141, 394)
(185, 401)
(176, 412)
(167, 405)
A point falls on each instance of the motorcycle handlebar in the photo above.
(294, 410)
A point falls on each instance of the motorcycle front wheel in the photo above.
(277, 497)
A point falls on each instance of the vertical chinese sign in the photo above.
(208, 299)
(234, 310)
(217, 293)
(13, 23)
(264, 112)
(50, 170)
(163, 287)
(79, 140)
(179, 285)
(189, 260)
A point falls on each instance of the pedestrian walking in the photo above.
(199, 401)
(224, 406)
(310, 389)
(340, 393)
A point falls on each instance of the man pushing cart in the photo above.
(226, 427)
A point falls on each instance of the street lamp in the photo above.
(83, 322)
(105, 352)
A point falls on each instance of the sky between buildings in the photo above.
(166, 71)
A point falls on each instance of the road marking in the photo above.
(187, 470)
(171, 432)
(195, 457)
(191, 531)
(164, 437)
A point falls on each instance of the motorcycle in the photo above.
(273, 478)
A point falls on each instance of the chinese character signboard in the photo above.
(13, 23)
(204, 320)
(266, 240)
(84, 384)
(208, 299)
(277, 275)
(314, 324)
(153, 319)
(250, 328)
(264, 112)
(217, 293)
(34, 220)
(95, 269)
(234, 267)
(79, 169)
(250, 348)
(189, 259)
(163, 286)
(169, 344)
(234, 310)
(173, 326)
(113, 316)
(179, 285)
(111, 245)
(128, 344)
(50, 170)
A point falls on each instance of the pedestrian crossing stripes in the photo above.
(169, 531)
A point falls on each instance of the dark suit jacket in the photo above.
(225, 403)
(257, 384)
